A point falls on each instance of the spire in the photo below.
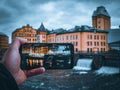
(42, 28)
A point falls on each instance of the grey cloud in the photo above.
(16, 13)
(5, 16)
(40, 1)
(17, 6)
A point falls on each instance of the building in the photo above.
(26, 32)
(84, 38)
(3, 44)
(114, 35)
(101, 18)
(41, 34)
(3, 41)
(114, 38)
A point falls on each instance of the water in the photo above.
(79, 78)
(105, 70)
(83, 64)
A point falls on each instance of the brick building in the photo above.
(3, 44)
(84, 38)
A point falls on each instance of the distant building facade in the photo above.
(84, 38)
(3, 44)
(3, 41)
(25, 32)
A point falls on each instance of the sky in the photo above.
(53, 13)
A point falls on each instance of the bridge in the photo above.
(110, 58)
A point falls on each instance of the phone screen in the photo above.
(48, 55)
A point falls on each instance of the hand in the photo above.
(11, 61)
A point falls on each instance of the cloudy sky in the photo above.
(53, 13)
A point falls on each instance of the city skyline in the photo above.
(53, 13)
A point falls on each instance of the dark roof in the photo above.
(83, 28)
(59, 30)
(2, 34)
(100, 10)
(42, 28)
(114, 35)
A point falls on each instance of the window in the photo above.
(87, 36)
(76, 49)
(101, 49)
(87, 43)
(76, 43)
(97, 43)
(97, 37)
(71, 37)
(104, 49)
(90, 43)
(104, 43)
(94, 36)
(87, 49)
(63, 38)
(90, 36)
(66, 37)
(104, 37)
(90, 49)
(99, 27)
(76, 37)
(94, 43)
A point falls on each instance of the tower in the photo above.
(101, 18)
(41, 34)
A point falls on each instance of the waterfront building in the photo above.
(3, 41)
(101, 18)
(84, 38)
(26, 32)
(3, 44)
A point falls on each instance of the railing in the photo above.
(112, 53)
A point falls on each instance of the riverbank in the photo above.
(72, 80)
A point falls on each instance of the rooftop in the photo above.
(2, 34)
(100, 10)
(83, 28)
(42, 28)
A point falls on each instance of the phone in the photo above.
(48, 55)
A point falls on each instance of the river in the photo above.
(81, 77)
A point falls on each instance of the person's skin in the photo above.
(11, 61)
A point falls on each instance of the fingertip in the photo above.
(43, 69)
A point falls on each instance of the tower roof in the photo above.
(100, 10)
(42, 28)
